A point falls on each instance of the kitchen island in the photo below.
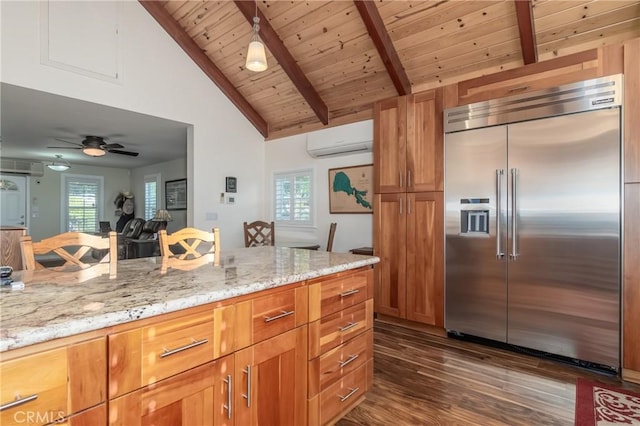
(254, 339)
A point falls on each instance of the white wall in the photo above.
(290, 153)
(157, 78)
(169, 170)
(44, 203)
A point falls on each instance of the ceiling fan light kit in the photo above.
(93, 152)
(256, 55)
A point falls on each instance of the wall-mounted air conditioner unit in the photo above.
(352, 138)
(23, 167)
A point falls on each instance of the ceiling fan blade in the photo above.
(110, 146)
(64, 147)
(73, 143)
(130, 153)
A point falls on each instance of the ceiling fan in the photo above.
(95, 146)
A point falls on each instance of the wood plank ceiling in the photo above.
(329, 61)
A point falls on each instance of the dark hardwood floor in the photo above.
(421, 379)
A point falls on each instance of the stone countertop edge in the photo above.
(30, 335)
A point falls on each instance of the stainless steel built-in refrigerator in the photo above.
(533, 223)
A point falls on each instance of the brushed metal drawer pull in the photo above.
(282, 315)
(168, 352)
(247, 396)
(348, 326)
(348, 361)
(18, 401)
(227, 406)
(518, 89)
(349, 395)
(349, 292)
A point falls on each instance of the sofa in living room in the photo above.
(138, 238)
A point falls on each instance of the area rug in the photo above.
(598, 404)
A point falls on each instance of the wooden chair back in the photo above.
(189, 240)
(259, 233)
(332, 233)
(71, 247)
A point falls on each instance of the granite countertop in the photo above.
(43, 311)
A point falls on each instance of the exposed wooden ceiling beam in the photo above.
(285, 60)
(524, 15)
(378, 33)
(173, 28)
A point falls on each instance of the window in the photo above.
(82, 202)
(293, 193)
(151, 196)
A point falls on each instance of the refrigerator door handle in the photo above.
(514, 214)
(499, 252)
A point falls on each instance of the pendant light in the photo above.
(59, 165)
(256, 56)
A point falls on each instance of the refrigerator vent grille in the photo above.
(605, 92)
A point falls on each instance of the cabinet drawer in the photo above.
(342, 395)
(333, 295)
(331, 366)
(267, 316)
(146, 355)
(39, 380)
(175, 346)
(335, 329)
(49, 386)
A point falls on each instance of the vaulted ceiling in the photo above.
(330, 60)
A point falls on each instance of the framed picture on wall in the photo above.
(231, 184)
(175, 194)
(351, 189)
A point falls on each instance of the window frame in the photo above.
(291, 174)
(64, 202)
(154, 177)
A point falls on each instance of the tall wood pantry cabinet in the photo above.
(408, 207)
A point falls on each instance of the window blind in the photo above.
(293, 198)
(150, 198)
(82, 205)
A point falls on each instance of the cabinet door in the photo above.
(200, 396)
(425, 168)
(425, 262)
(389, 145)
(271, 381)
(389, 244)
(10, 253)
(631, 287)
